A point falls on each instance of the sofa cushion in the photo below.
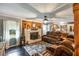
(63, 51)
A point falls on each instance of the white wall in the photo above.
(58, 20)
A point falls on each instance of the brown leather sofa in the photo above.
(60, 50)
(62, 44)
(53, 37)
(63, 51)
(49, 40)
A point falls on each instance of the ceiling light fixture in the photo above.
(45, 20)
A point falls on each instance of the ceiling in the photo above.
(37, 10)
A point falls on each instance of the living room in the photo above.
(41, 29)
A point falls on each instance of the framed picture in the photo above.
(12, 32)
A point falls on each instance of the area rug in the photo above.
(36, 48)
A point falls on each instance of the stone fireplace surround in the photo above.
(27, 36)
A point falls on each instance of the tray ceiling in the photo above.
(37, 10)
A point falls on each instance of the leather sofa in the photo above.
(58, 50)
(62, 44)
(52, 37)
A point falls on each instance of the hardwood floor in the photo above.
(16, 51)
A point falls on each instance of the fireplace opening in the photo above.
(34, 35)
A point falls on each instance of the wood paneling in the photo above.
(76, 27)
(28, 24)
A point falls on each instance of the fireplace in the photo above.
(32, 36)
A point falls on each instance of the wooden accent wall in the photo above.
(28, 24)
(76, 27)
